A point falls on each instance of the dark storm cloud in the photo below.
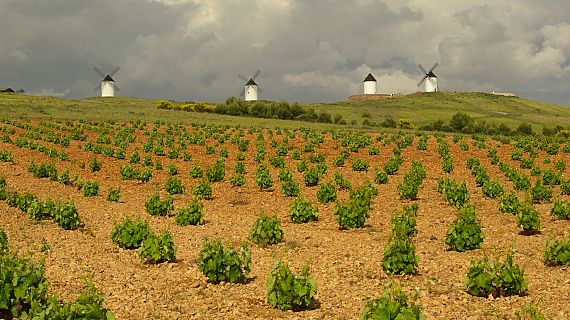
(315, 50)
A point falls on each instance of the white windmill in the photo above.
(370, 84)
(429, 80)
(108, 85)
(250, 89)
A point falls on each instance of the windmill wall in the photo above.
(107, 89)
(430, 85)
(250, 93)
(370, 87)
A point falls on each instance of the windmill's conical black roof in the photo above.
(108, 78)
(251, 83)
(431, 75)
(369, 77)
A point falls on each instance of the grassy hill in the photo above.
(421, 108)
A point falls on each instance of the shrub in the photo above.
(380, 176)
(400, 257)
(277, 162)
(362, 196)
(37, 211)
(174, 186)
(196, 172)
(557, 252)
(495, 278)
(287, 291)
(219, 263)
(311, 177)
(284, 174)
(351, 215)
(158, 249)
(263, 178)
(135, 157)
(156, 207)
(540, 193)
(203, 189)
(465, 233)
(94, 165)
(130, 234)
(266, 230)
(302, 211)
(373, 150)
(453, 193)
(302, 166)
(560, 210)
(550, 178)
(341, 181)
(530, 312)
(565, 187)
(216, 172)
(23, 284)
(5, 156)
(65, 215)
(3, 241)
(88, 304)
(359, 165)
(404, 224)
(172, 169)
(338, 161)
(90, 188)
(528, 219)
(147, 161)
(237, 180)
(326, 193)
(392, 166)
(509, 203)
(392, 304)
(290, 188)
(317, 158)
(408, 189)
(240, 167)
(447, 163)
(191, 215)
(43, 170)
(144, 176)
(492, 189)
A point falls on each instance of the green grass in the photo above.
(421, 108)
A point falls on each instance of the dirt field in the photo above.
(345, 264)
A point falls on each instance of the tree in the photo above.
(459, 121)
(388, 122)
(525, 128)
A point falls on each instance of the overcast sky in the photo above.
(307, 50)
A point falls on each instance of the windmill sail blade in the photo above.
(422, 81)
(256, 74)
(117, 87)
(99, 72)
(242, 77)
(114, 72)
(97, 88)
(242, 94)
(422, 69)
(259, 90)
(433, 68)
